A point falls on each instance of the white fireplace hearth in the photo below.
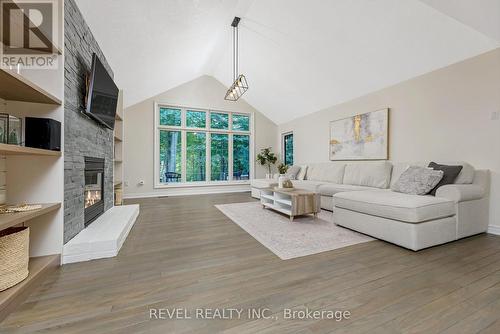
(104, 237)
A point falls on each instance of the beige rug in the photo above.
(288, 240)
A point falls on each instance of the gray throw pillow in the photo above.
(449, 176)
(417, 180)
(292, 172)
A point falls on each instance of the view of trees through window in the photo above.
(186, 138)
(288, 148)
(196, 119)
(170, 156)
(241, 157)
(196, 154)
(219, 157)
(169, 116)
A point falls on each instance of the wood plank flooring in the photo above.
(184, 253)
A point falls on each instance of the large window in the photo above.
(202, 146)
(219, 153)
(288, 148)
(196, 153)
(241, 157)
(170, 156)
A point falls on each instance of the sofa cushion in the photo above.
(370, 174)
(329, 172)
(397, 206)
(466, 175)
(292, 172)
(418, 180)
(449, 176)
(307, 185)
(330, 189)
(263, 183)
(302, 173)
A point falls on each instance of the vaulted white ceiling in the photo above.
(299, 56)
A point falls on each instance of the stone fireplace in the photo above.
(94, 189)
(83, 137)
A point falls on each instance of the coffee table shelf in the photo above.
(293, 203)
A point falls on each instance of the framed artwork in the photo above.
(360, 137)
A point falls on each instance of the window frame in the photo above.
(283, 146)
(184, 129)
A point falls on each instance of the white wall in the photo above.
(444, 115)
(203, 92)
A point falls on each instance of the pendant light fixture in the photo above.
(240, 85)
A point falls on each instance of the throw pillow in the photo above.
(417, 180)
(302, 174)
(450, 175)
(292, 172)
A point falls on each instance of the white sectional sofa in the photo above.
(359, 195)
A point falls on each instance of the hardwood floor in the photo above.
(184, 253)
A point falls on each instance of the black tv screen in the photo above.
(102, 95)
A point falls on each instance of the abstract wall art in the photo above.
(360, 137)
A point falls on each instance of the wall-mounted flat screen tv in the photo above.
(102, 95)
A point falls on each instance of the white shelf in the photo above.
(269, 197)
(283, 201)
(277, 208)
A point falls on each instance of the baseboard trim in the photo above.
(494, 229)
(190, 191)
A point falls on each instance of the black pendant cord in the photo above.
(237, 54)
(234, 53)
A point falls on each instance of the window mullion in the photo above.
(230, 157)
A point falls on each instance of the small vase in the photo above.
(269, 176)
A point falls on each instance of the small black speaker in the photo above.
(42, 133)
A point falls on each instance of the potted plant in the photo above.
(282, 168)
(267, 158)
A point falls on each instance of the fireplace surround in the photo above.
(94, 189)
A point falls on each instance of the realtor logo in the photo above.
(28, 32)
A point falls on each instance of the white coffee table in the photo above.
(293, 203)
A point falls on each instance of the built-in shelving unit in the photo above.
(118, 152)
(38, 267)
(11, 219)
(7, 149)
(34, 175)
(15, 87)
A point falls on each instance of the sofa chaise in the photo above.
(359, 195)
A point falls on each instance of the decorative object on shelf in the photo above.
(10, 129)
(14, 256)
(44, 133)
(281, 179)
(4, 128)
(240, 85)
(20, 208)
(360, 137)
(287, 184)
(282, 168)
(284, 183)
(268, 159)
(15, 130)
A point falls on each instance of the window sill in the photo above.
(200, 184)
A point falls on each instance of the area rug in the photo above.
(288, 240)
